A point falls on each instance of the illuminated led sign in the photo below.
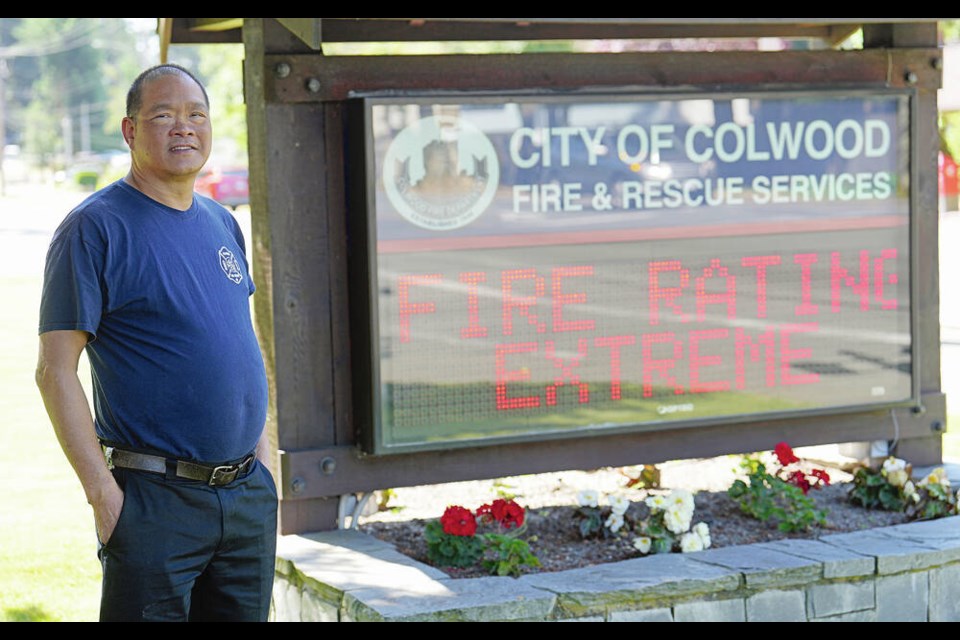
(534, 267)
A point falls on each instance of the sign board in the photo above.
(534, 267)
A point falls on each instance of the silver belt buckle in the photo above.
(108, 456)
(223, 475)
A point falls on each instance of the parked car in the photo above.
(948, 182)
(227, 185)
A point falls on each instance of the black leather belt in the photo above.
(215, 476)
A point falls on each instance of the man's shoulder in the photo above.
(100, 205)
(217, 211)
(212, 207)
(93, 215)
(114, 191)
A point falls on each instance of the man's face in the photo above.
(170, 136)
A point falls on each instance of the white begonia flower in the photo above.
(614, 522)
(656, 503)
(898, 478)
(702, 530)
(588, 498)
(894, 464)
(937, 476)
(642, 544)
(677, 519)
(683, 498)
(909, 489)
(691, 543)
(618, 504)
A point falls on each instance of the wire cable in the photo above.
(896, 431)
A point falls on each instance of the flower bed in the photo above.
(620, 523)
(862, 576)
(559, 546)
(751, 572)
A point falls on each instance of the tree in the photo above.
(18, 72)
(68, 81)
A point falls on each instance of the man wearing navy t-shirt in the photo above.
(151, 280)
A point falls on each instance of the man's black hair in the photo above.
(135, 94)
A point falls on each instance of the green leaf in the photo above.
(737, 490)
(507, 555)
(447, 550)
(662, 545)
(590, 526)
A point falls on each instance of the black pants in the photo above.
(185, 551)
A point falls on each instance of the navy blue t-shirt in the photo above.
(176, 366)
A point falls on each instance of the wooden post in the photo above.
(928, 449)
(290, 184)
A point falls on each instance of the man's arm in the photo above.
(264, 451)
(69, 413)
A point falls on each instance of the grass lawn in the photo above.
(48, 565)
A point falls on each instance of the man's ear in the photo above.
(129, 129)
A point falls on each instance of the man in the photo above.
(151, 280)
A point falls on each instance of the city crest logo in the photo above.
(441, 173)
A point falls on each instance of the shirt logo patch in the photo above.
(230, 265)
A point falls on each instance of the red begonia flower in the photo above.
(821, 475)
(785, 454)
(799, 478)
(485, 514)
(506, 513)
(512, 516)
(458, 521)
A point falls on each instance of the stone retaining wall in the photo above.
(906, 573)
